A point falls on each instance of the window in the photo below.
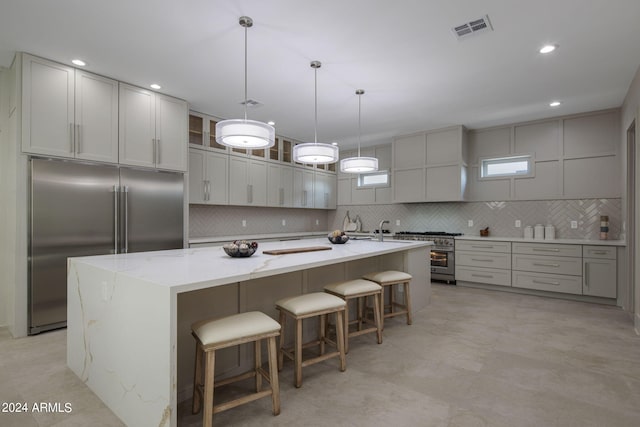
(373, 179)
(500, 167)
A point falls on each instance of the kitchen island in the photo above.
(129, 315)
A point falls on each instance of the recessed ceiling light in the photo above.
(155, 86)
(271, 123)
(548, 48)
(554, 103)
(78, 62)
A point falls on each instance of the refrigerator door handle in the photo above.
(157, 152)
(126, 219)
(154, 147)
(116, 194)
(78, 140)
(71, 144)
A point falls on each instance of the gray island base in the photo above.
(129, 315)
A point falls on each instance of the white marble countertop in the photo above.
(560, 241)
(184, 270)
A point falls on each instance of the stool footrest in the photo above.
(241, 401)
(320, 358)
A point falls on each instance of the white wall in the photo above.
(631, 111)
(3, 206)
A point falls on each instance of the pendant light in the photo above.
(359, 164)
(315, 153)
(244, 133)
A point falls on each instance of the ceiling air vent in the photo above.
(470, 28)
(252, 103)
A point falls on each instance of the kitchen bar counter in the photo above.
(129, 315)
(258, 237)
(558, 241)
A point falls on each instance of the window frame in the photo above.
(361, 186)
(485, 161)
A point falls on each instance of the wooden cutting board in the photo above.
(297, 250)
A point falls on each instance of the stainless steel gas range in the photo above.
(442, 253)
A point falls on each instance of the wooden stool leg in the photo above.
(257, 348)
(340, 339)
(323, 332)
(360, 309)
(346, 327)
(196, 403)
(407, 301)
(382, 307)
(392, 299)
(283, 318)
(378, 316)
(209, 370)
(298, 354)
(273, 375)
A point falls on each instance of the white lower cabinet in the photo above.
(483, 262)
(600, 271)
(208, 178)
(589, 270)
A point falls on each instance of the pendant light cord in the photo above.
(315, 131)
(245, 74)
(359, 121)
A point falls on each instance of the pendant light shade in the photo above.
(359, 164)
(315, 152)
(244, 133)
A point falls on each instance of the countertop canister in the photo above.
(549, 232)
(538, 232)
(528, 232)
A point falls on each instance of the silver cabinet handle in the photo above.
(484, 276)
(542, 282)
(481, 260)
(126, 219)
(204, 190)
(482, 246)
(281, 196)
(249, 193)
(116, 194)
(208, 190)
(599, 252)
(304, 198)
(158, 158)
(586, 274)
(545, 249)
(71, 143)
(78, 140)
(153, 148)
(539, 264)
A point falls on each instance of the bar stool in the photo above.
(303, 307)
(216, 334)
(358, 289)
(388, 279)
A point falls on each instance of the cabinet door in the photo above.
(302, 188)
(320, 191)
(96, 117)
(287, 186)
(198, 188)
(600, 278)
(217, 170)
(171, 133)
(137, 126)
(408, 185)
(47, 108)
(238, 181)
(197, 131)
(275, 191)
(257, 183)
(332, 190)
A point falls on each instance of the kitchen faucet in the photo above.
(380, 235)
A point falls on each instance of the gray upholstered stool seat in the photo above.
(215, 334)
(305, 306)
(358, 289)
(388, 279)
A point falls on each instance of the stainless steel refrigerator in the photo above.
(79, 209)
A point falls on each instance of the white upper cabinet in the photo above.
(68, 112)
(303, 196)
(208, 178)
(247, 182)
(280, 189)
(153, 129)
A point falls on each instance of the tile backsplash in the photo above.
(211, 221)
(500, 217)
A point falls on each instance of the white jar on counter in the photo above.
(528, 232)
(538, 232)
(549, 232)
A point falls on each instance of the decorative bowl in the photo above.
(240, 248)
(338, 240)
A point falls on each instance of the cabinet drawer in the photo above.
(601, 252)
(479, 246)
(547, 264)
(489, 276)
(482, 259)
(547, 249)
(547, 282)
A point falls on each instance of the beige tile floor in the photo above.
(472, 358)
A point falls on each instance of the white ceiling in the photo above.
(415, 72)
